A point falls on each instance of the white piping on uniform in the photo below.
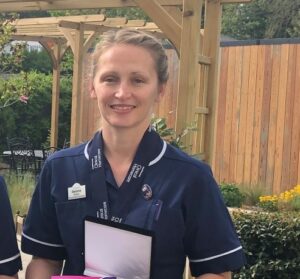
(160, 155)
(10, 259)
(42, 242)
(216, 256)
(86, 154)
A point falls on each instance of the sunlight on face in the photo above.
(126, 86)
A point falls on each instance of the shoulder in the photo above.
(72, 152)
(176, 156)
(3, 188)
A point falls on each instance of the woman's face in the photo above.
(126, 87)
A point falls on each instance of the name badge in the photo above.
(77, 191)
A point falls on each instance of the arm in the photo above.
(225, 275)
(40, 268)
(9, 277)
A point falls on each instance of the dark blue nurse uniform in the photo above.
(10, 259)
(178, 199)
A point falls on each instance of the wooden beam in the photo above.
(175, 13)
(76, 116)
(201, 110)
(18, 6)
(235, 1)
(163, 20)
(188, 72)
(38, 38)
(55, 20)
(211, 48)
(205, 60)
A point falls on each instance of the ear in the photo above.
(161, 91)
(92, 90)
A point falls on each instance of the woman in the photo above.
(128, 174)
(10, 259)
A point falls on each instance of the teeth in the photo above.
(122, 107)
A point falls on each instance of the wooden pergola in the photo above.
(177, 20)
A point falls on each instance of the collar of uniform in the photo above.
(158, 154)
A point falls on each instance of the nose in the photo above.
(124, 90)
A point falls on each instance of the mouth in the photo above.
(122, 107)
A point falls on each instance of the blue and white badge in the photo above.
(147, 192)
(77, 191)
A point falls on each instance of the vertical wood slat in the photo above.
(250, 113)
(228, 116)
(280, 119)
(243, 115)
(288, 119)
(235, 114)
(257, 116)
(265, 117)
(221, 111)
(273, 115)
(295, 152)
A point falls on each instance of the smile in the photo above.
(122, 108)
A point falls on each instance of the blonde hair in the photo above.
(136, 38)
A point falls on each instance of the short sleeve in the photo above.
(211, 241)
(10, 259)
(41, 235)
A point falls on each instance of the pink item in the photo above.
(74, 277)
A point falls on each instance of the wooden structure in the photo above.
(179, 20)
(258, 127)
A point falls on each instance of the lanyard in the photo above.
(148, 148)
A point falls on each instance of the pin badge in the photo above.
(147, 192)
(77, 191)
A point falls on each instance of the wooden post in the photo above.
(189, 52)
(77, 48)
(211, 48)
(56, 50)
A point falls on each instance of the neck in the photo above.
(121, 144)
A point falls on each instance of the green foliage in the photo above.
(20, 189)
(67, 64)
(295, 203)
(270, 205)
(129, 13)
(11, 55)
(262, 19)
(169, 134)
(252, 193)
(231, 194)
(271, 242)
(38, 61)
(33, 120)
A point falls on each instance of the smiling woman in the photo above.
(128, 174)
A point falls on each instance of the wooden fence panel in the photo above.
(259, 122)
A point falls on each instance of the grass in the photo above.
(252, 193)
(20, 189)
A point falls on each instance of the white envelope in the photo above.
(118, 250)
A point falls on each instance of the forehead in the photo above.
(127, 54)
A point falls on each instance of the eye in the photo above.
(138, 80)
(110, 79)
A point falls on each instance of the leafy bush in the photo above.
(231, 195)
(169, 134)
(271, 242)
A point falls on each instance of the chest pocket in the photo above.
(141, 215)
